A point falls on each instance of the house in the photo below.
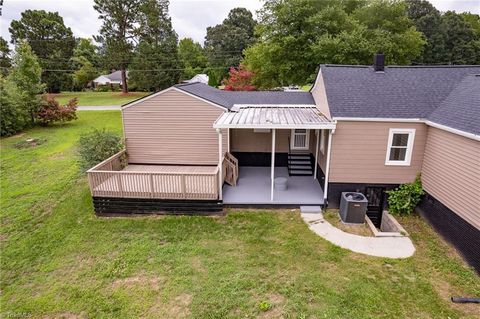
(201, 78)
(194, 148)
(109, 79)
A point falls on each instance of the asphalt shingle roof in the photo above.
(229, 98)
(399, 92)
(461, 108)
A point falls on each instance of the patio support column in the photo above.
(316, 155)
(327, 168)
(220, 166)
(273, 164)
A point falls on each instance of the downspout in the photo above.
(317, 133)
(220, 168)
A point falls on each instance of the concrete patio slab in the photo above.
(254, 185)
(391, 247)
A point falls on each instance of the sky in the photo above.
(190, 18)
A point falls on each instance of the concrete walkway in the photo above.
(391, 247)
(99, 108)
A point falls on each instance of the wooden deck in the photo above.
(111, 179)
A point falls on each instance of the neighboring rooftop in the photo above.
(230, 98)
(398, 92)
(202, 78)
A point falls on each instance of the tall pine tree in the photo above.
(156, 64)
(118, 33)
(51, 41)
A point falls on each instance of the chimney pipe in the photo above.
(379, 62)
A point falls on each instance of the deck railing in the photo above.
(108, 180)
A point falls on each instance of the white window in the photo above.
(299, 139)
(323, 135)
(400, 146)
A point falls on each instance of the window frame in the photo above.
(409, 147)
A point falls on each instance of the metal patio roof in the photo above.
(274, 117)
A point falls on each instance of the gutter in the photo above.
(414, 120)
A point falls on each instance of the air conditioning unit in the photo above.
(353, 208)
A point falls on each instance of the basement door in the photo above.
(376, 199)
(299, 139)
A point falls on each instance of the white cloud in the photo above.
(472, 6)
(190, 18)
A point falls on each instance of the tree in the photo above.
(117, 33)
(450, 37)
(85, 73)
(462, 43)
(240, 80)
(14, 117)
(51, 41)
(192, 58)
(5, 60)
(295, 36)
(417, 9)
(87, 50)
(155, 65)
(225, 42)
(390, 31)
(26, 77)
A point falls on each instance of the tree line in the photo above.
(284, 46)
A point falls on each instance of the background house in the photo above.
(201, 78)
(114, 78)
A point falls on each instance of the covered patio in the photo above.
(256, 184)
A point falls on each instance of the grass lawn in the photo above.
(59, 259)
(98, 98)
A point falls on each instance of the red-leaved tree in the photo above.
(240, 80)
(51, 111)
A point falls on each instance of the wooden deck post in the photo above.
(273, 164)
(119, 183)
(220, 168)
(152, 192)
(317, 132)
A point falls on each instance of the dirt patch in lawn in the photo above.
(138, 281)
(63, 315)
(179, 307)
(333, 218)
(446, 291)
(276, 302)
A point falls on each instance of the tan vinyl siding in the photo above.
(359, 150)
(246, 140)
(172, 128)
(320, 95)
(451, 173)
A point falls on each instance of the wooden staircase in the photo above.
(299, 164)
(230, 169)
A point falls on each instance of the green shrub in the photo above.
(403, 199)
(13, 116)
(96, 146)
(50, 111)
